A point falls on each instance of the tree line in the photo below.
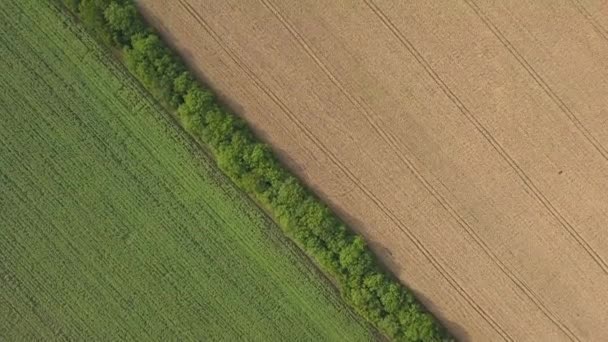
(251, 164)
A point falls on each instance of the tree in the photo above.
(153, 64)
(230, 155)
(124, 22)
(390, 325)
(219, 127)
(182, 85)
(391, 297)
(355, 259)
(196, 101)
(289, 196)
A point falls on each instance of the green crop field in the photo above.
(114, 226)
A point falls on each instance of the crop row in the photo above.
(251, 164)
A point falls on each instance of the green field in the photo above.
(114, 226)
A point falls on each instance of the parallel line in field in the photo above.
(597, 27)
(392, 141)
(3, 294)
(102, 141)
(502, 152)
(537, 78)
(488, 137)
(29, 200)
(26, 200)
(66, 239)
(566, 110)
(404, 228)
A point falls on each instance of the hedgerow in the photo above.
(372, 292)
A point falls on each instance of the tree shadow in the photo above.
(389, 264)
(454, 328)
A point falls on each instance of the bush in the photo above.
(253, 167)
(124, 22)
(152, 62)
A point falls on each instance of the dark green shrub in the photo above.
(153, 63)
(124, 22)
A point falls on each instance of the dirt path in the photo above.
(468, 141)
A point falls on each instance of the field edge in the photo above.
(344, 258)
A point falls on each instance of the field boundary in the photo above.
(251, 165)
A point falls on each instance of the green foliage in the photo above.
(152, 62)
(124, 22)
(183, 85)
(252, 166)
(195, 102)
